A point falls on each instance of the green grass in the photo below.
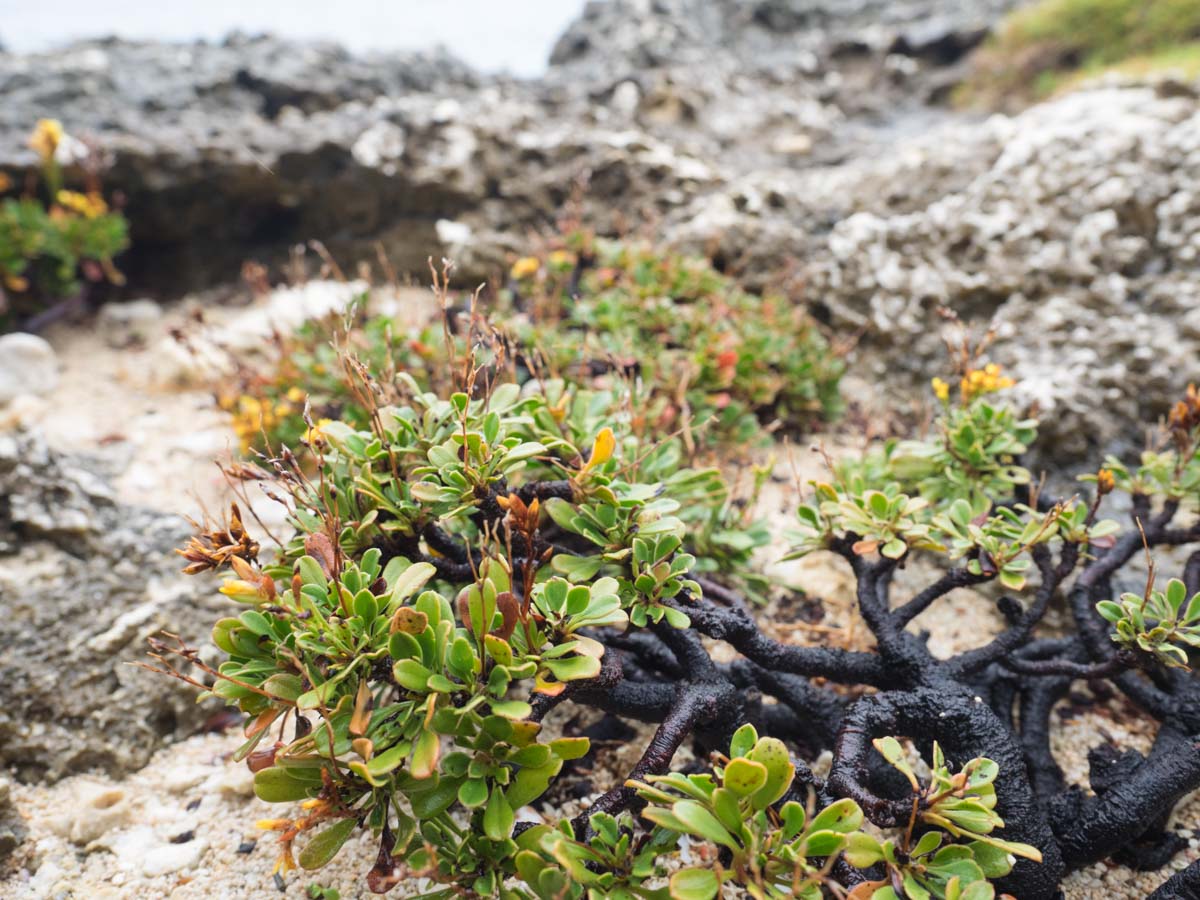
(1043, 47)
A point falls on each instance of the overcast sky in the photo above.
(515, 35)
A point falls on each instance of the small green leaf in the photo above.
(275, 785)
(473, 793)
(321, 850)
(694, 884)
(498, 818)
(744, 776)
(698, 821)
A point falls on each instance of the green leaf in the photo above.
(743, 741)
(284, 686)
(844, 816)
(698, 821)
(426, 750)
(862, 850)
(498, 818)
(570, 748)
(529, 784)
(275, 785)
(409, 581)
(694, 884)
(321, 850)
(893, 752)
(744, 776)
(514, 710)
(728, 810)
(429, 803)
(994, 861)
(773, 754)
(412, 675)
(473, 793)
(574, 668)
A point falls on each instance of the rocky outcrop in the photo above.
(795, 136)
(1073, 227)
(85, 581)
(243, 149)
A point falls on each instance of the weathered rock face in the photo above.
(1074, 227)
(622, 37)
(84, 582)
(243, 149)
(228, 151)
(798, 135)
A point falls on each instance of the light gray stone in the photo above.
(128, 324)
(28, 365)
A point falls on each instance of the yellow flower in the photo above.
(525, 267)
(16, 283)
(285, 863)
(90, 204)
(941, 390)
(561, 259)
(295, 394)
(46, 137)
(315, 435)
(602, 450)
(241, 591)
(1105, 482)
(977, 382)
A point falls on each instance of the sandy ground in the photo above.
(183, 827)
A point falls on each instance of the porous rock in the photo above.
(85, 581)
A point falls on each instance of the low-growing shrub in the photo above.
(710, 351)
(52, 239)
(706, 359)
(1043, 46)
(465, 565)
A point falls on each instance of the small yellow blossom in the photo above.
(1105, 482)
(90, 205)
(286, 863)
(561, 259)
(525, 267)
(977, 382)
(941, 390)
(315, 435)
(602, 450)
(242, 591)
(46, 137)
(251, 418)
(295, 394)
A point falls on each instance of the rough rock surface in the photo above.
(1074, 227)
(245, 148)
(803, 135)
(231, 150)
(85, 581)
